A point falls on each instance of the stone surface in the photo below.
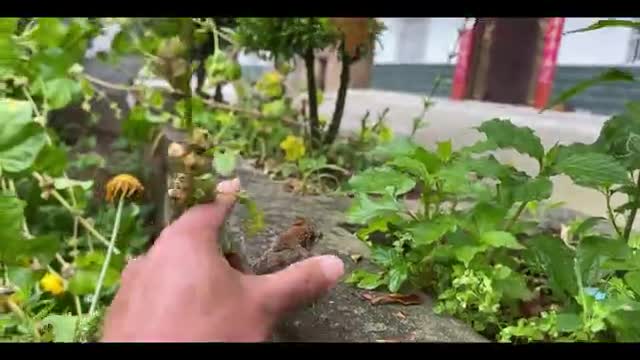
(341, 316)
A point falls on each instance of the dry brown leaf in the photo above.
(294, 185)
(397, 339)
(401, 315)
(356, 32)
(355, 257)
(403, 299)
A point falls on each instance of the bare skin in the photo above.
(184, 290)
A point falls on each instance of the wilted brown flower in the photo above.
(123, 184)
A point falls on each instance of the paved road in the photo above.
(456, 119)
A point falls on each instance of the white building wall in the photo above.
(607, 46)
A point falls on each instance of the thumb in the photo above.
(300, 283)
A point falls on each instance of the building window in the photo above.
(634, 45)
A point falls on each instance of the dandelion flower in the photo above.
(123, 184)
(52, 283)
(293, 147)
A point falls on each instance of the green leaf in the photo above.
(513, 286)
(500, 239)
(430, 160)
(486, 217)
(569, 322)
(225, 162)
(52, 160)
(618, 136)
(552, 255)
(593, 170)
(50, 32)
(84, 281)
(23, 277)
(21, 139)
(632, 279)
(11, 219)
(365, 280)
(62, 183)
(611, 75)
(61, 92)
(64, 326)
(425, 233)
(397, 276)
(444, 150)
(537, 189)
(275, 109)
(506, 135)
(376, 180)
(364, 209)
(122, 42)
(8, 25)
(412, 166)
(254, 222)
(400, 146)
(488, 167)
(43, 247)
(466, 253)
(608, 23)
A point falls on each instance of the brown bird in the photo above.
(291, 246)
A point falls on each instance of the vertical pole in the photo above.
(552, 37)
(461, 72)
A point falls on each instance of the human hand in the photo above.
(183, 289)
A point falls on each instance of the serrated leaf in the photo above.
(365, 280)
(486, 217)
(63, 183)
(377, 180)
(64, 326)
(430, 160)
(537, 189)
(412, 166)
(425, 233)
(21, 139)
(466, 253)
(444, 150)
(593, 170)
(608, 23)
(397, 276)
(611, 75)
(364, 209)
(488, 167)
(632, 279)
(500, 239)
(225, 162)
(552, 255)
(61, 92)
(506, 135)
(568, 322)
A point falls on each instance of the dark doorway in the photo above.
(512, 60)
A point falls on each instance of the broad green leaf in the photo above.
(552, 255)
(397, 276)
(254, 222)
(381, 224)
(63, 183)
(364, 209)
(64, 326)
(11, 219)
(43, 247)
(513, 286)
(8, 26)
(365, 280)
(444, 150)
(611, 75)
(61, 92)
(383, 256)
(536, 189)
(608, 23)
(500, 239)
(410, 165)
(568, 322)
(23, 277)
(376, 180)
(466, 253)
(425, 233)
(275, 109)
(633, 280)
(400, 146)
(52, 160)
(507, 135)
(21, 139)
(625, 325)
(84, 281)
(486, 217)
(593, 170)
(122, 42)
(618, 136)
(429, 159)
(488, 167)
(225, 162)
(587, 224)
(50, 32)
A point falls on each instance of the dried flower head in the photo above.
(123, 184)
(52, 283)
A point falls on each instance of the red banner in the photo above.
(544, 85)
(461, 73)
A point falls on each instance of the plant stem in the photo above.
(110, 85)
(345, 74)
(314, 128)
(110, 251)
(612, 218)
(515, 217)
(634, 210)
(76, 300)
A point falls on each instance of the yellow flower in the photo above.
(125, 184)
(293, 147)
(52, 283)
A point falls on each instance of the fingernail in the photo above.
(332, 267)
(229, 186)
